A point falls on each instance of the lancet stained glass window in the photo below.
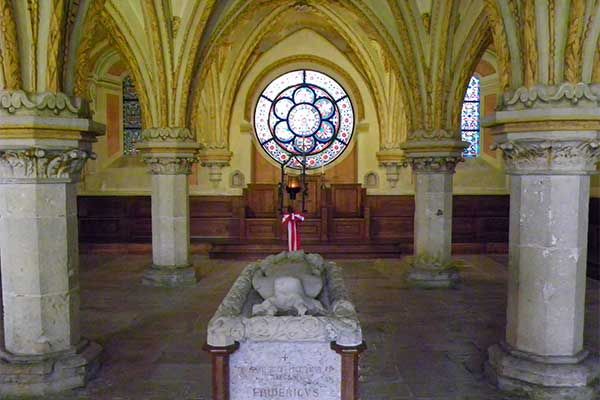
(304, 117)
(470, 123)
(132, 116)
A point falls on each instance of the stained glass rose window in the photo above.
(304, 118)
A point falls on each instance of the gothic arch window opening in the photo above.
(470, 118)
(304, 118)
(132, 117)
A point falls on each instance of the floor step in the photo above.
(246, 250)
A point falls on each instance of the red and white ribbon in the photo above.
(292, 220)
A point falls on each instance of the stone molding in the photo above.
(231, 323)
(168, 134)
(545, 156)
(434, 164)
(544, 96)
(33, 165)
(432, 134)
(20, 102)
(170, 165)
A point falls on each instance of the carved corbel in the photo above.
(392, 161)
(215, 160)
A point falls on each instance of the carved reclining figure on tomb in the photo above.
(288, 287)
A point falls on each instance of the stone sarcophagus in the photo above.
(286, 330)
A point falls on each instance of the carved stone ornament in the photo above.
(20, 102)
(428, 134)
(392, 171)
(550, 156)
(441, 164)
(168, 134)
(35, 165)
(170, 165)
(231, 323)
(544, 96)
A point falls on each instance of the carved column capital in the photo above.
(550, 156)
(37, 165)
(434, 164)
(168, 150)
(170, 164)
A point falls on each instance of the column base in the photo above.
(433, 278)
(169, 276)
(552, 379)
(43, 375)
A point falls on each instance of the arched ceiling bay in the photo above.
(257, 29)
(159, 40)
(418, 51)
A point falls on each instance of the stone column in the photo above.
(43, 349)
(170, 153)
(433, 172)
(543, 354)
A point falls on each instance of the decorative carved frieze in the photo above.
(18, 101)
(432, 164)
(36, 164)
(168, 134)
(550, 156)
(170, 165)
(544, 96)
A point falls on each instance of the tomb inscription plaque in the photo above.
(291, 371)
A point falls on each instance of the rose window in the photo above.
(304, 118)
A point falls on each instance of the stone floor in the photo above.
(426, 345)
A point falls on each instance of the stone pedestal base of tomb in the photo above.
(544, 378)
(50, 373)
(285, 356)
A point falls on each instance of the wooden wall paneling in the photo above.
(313, 199)
(480, 222)
(347, 228)
(310, 230)
(391, 206)
(346, 200)
(263, 229)
(262, 200)
(140, 219)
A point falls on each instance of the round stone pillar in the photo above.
(549, 165)
(433, 164)
(170, 153)
(43, 351)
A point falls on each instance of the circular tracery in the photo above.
(304, 118)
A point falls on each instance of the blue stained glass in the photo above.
(132, 117)
(470, 118)
(304, 118)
